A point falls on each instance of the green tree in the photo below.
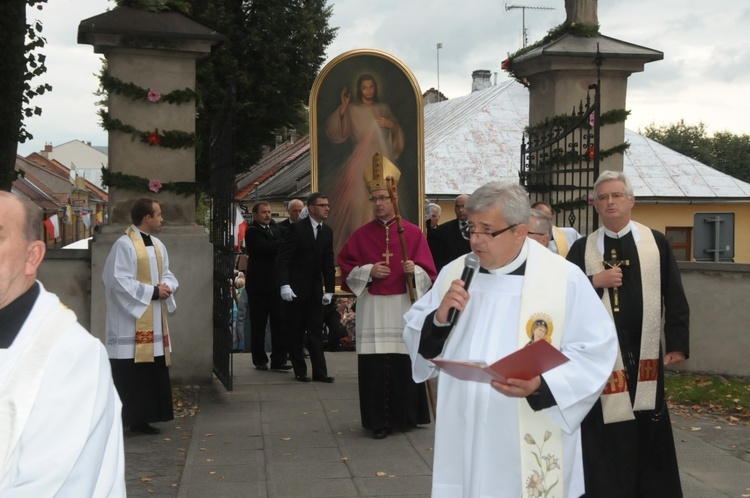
(20, 63)
(271, 58)
(725, 151)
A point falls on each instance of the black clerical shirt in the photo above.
(13, 316)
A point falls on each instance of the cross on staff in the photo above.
(615, 263)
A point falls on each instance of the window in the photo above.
(679, 239)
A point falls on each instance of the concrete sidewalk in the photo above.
(276, 437)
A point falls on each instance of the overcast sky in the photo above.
(705, 74)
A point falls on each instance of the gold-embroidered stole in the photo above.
(615, 398)
(543, 302)
(144, 326)
(561, 242)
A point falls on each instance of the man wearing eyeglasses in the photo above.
(304, 266)
(628, 447)
(519, 437)
(448, 241)
(374, 269)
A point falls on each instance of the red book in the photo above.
(524, 364)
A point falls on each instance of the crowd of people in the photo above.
(498, 278)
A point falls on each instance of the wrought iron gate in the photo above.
(560, 163)
(221, 157)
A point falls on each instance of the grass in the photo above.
(712, 393)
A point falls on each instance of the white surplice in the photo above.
(60, 424)
(127, 298)
(477, 441)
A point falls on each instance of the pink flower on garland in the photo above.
(153, 95)
(154, 186)
(153, 138)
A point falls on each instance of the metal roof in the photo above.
(476, 138)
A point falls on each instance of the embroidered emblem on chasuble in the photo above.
(540, 326)
(144, 326)
(617, 383)
(616, 405)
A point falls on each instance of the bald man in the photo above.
(60, 427)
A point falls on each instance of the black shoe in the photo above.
(326, 379)
(302, 378)
(261, 367)
(282, 368)
(145, 429)
(380, 433)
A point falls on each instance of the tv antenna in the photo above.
(523, 16)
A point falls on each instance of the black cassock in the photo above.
(636, 458)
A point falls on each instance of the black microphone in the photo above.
(471, 265)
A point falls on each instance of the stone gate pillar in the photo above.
(157, 51)
(560, 73)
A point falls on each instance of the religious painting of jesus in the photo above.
(365, 102)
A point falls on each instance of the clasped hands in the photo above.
(381, 269)
(164, 290)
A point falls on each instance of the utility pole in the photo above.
(523, 17)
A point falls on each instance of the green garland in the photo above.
(564, 121)
(134, 92)
(170, 139)
(570, 205)
(580, 30)
(140, 184)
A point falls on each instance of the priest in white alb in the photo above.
(60, 428)
(519, 438)
(139, 290)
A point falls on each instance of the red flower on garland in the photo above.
(592, 153)
(153, 138)
(506, 65)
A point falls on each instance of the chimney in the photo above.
(480, 79)
(47, 147)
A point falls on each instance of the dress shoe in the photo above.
(261, 367)
(282, 368)
(302, 378)
(326, 379)
(145, 429)
(380, 433)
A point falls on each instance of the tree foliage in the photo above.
(724, 151)
(20, 63)
(271, 58)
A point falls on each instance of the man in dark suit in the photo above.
(446, 241)
(304, 264)
(262, 242)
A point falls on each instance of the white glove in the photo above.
(287, 294)
(327, 298)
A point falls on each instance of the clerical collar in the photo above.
(14, 315)
(515, 263)
(388, 223)
(617, 235)
(145, 236)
